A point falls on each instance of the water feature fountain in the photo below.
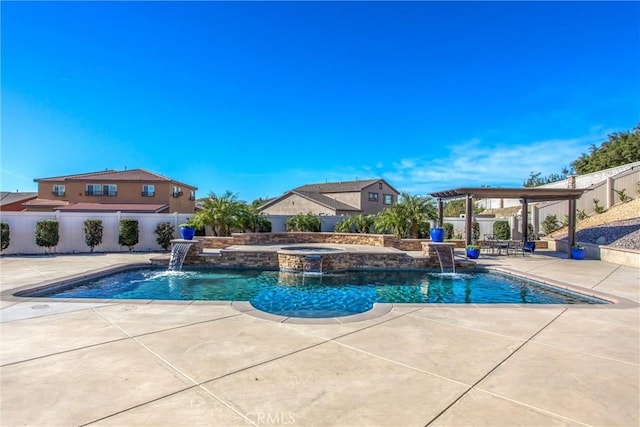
(444, 251)
(179, 252)
(312, 260)
(312, 265)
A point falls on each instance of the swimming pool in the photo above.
(322, 295)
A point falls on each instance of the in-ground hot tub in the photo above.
(313, 259)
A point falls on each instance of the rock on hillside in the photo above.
(618, 227)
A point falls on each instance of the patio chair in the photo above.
(489, 243)
(515, 247)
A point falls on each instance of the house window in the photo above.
(58, 190)
(101, 190)
(379, 186)
(387, 199)
(110, 190)
(148, 190)
(177, 192)
(373, 197)
(93, 190)
(192, 195)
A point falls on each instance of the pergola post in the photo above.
(525, 220)
(467, 219)
(440, 213)
(572, 226)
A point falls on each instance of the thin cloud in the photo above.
(476, 162)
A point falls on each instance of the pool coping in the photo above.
(378, 309)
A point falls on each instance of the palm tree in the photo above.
(392, 220)
(220, 212)
(407, 218)
(418, 210)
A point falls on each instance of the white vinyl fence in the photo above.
(71, 230)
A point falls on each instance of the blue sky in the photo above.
(257, 98)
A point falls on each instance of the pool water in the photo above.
(325, 295)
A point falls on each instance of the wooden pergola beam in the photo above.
(525, 195)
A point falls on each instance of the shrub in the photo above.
(93, 233)
(164, 231)
(597, 208)
(264, 225)
(448, 230)
(345, 225)
(4, 236)
(530, 232)
(622, 196)
(423, 232)
(128, 233)
(307, 222)
(502, 230)
(581, 214)
(47, 233)
(475, 231)
(550, 224)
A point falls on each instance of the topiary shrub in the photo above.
(502, 230)
(164, 231)
(47, 233)
(93, 233)
(448, 230)
(4, 235)
(128, 233)
(475, 231)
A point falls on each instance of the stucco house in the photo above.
(12, 202)
(134, 190)
(365, 197)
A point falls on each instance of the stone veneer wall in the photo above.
(331, 261)
(358, 261)
(381, 240)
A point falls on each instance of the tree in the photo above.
(535, 180)
(407, 218)
(250, 219)
(392, 220)
(620, 148)
(47, 233)
(128, 233)
(455, 208)
(220, 212)
(418, 210)
(93, 233)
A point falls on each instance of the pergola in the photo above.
(525, 195)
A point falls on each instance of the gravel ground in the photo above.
(618, 227)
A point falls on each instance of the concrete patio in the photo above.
(129, 363)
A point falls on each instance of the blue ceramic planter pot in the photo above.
(473, 253)
(187, 233)
(577, 253)
(437, 234)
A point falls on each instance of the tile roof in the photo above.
(327, 201)
(7, 197)
(318, 193)
(45, 203)
(114, 207)
(138, 175)
(337, 187)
